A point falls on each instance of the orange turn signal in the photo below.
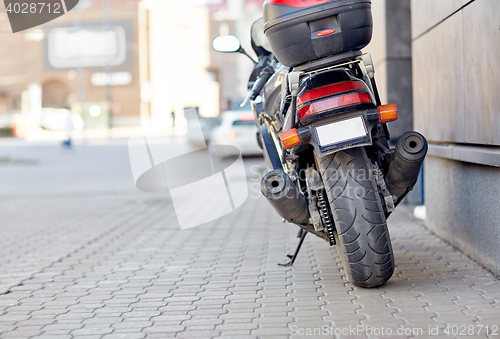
(290, 138)
(388, 113)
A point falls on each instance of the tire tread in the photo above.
(362, 233)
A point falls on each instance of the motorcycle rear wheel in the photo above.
(361, 228)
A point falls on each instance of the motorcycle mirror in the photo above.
(229, 44)
(226, 44)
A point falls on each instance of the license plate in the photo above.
(341, 131)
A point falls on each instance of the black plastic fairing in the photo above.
(294, 33)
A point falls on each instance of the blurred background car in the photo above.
(237, 128)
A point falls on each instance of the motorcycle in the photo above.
(323, 130)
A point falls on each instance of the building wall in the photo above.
(456, 48)
(224, 65)
(179, 56)
(456, 69)
(391, 52)
(23, 62)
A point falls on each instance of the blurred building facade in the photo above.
(456, 86)
(83, 56)
(139, 59)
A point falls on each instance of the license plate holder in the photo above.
(340, 133)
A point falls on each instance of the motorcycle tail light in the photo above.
(331, 97)
(296, 3)
(388, 113)
(328, 90)
(290, 138)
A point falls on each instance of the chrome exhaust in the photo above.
(285, 198)
(409, 156)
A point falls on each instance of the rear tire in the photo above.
(361, 228)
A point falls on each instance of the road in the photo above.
(86, 255)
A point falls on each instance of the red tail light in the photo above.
(247, 116)
(296, 3)
(230, 134)
(330, 97)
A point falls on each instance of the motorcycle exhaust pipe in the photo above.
(284, 196)
(409, 155)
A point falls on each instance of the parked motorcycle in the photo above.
(324, 130)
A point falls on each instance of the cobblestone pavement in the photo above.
(85, 255)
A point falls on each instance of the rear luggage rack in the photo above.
(299, 35)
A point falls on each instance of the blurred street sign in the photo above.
(89, 47)
(101, 79)
(92, 45)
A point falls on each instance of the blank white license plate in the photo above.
(341, 131)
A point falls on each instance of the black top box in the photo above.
(300, 31)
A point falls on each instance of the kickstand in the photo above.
(302, 235)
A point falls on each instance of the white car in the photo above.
(238, 129)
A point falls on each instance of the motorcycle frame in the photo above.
(282, 120)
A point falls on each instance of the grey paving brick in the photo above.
(482, 311)
(125, 336)
(52, 336)
(4, 328)
(488, 317)
(272, 332)
(199, 334)
(20, 333)
(207, 312)
(202, 322)
(273, 320)
(161, 335)
(63, 327)
(239, 326)
(132, 324)
(240, 334)
(243, 315)
(161, 318)
(137, 314)
(177, 308)
(164, 329)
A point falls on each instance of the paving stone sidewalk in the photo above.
(114, 264)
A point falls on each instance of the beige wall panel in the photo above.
(482, 72)
(381, 79)
(377, 47)
(427, 13)
(437, 83)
